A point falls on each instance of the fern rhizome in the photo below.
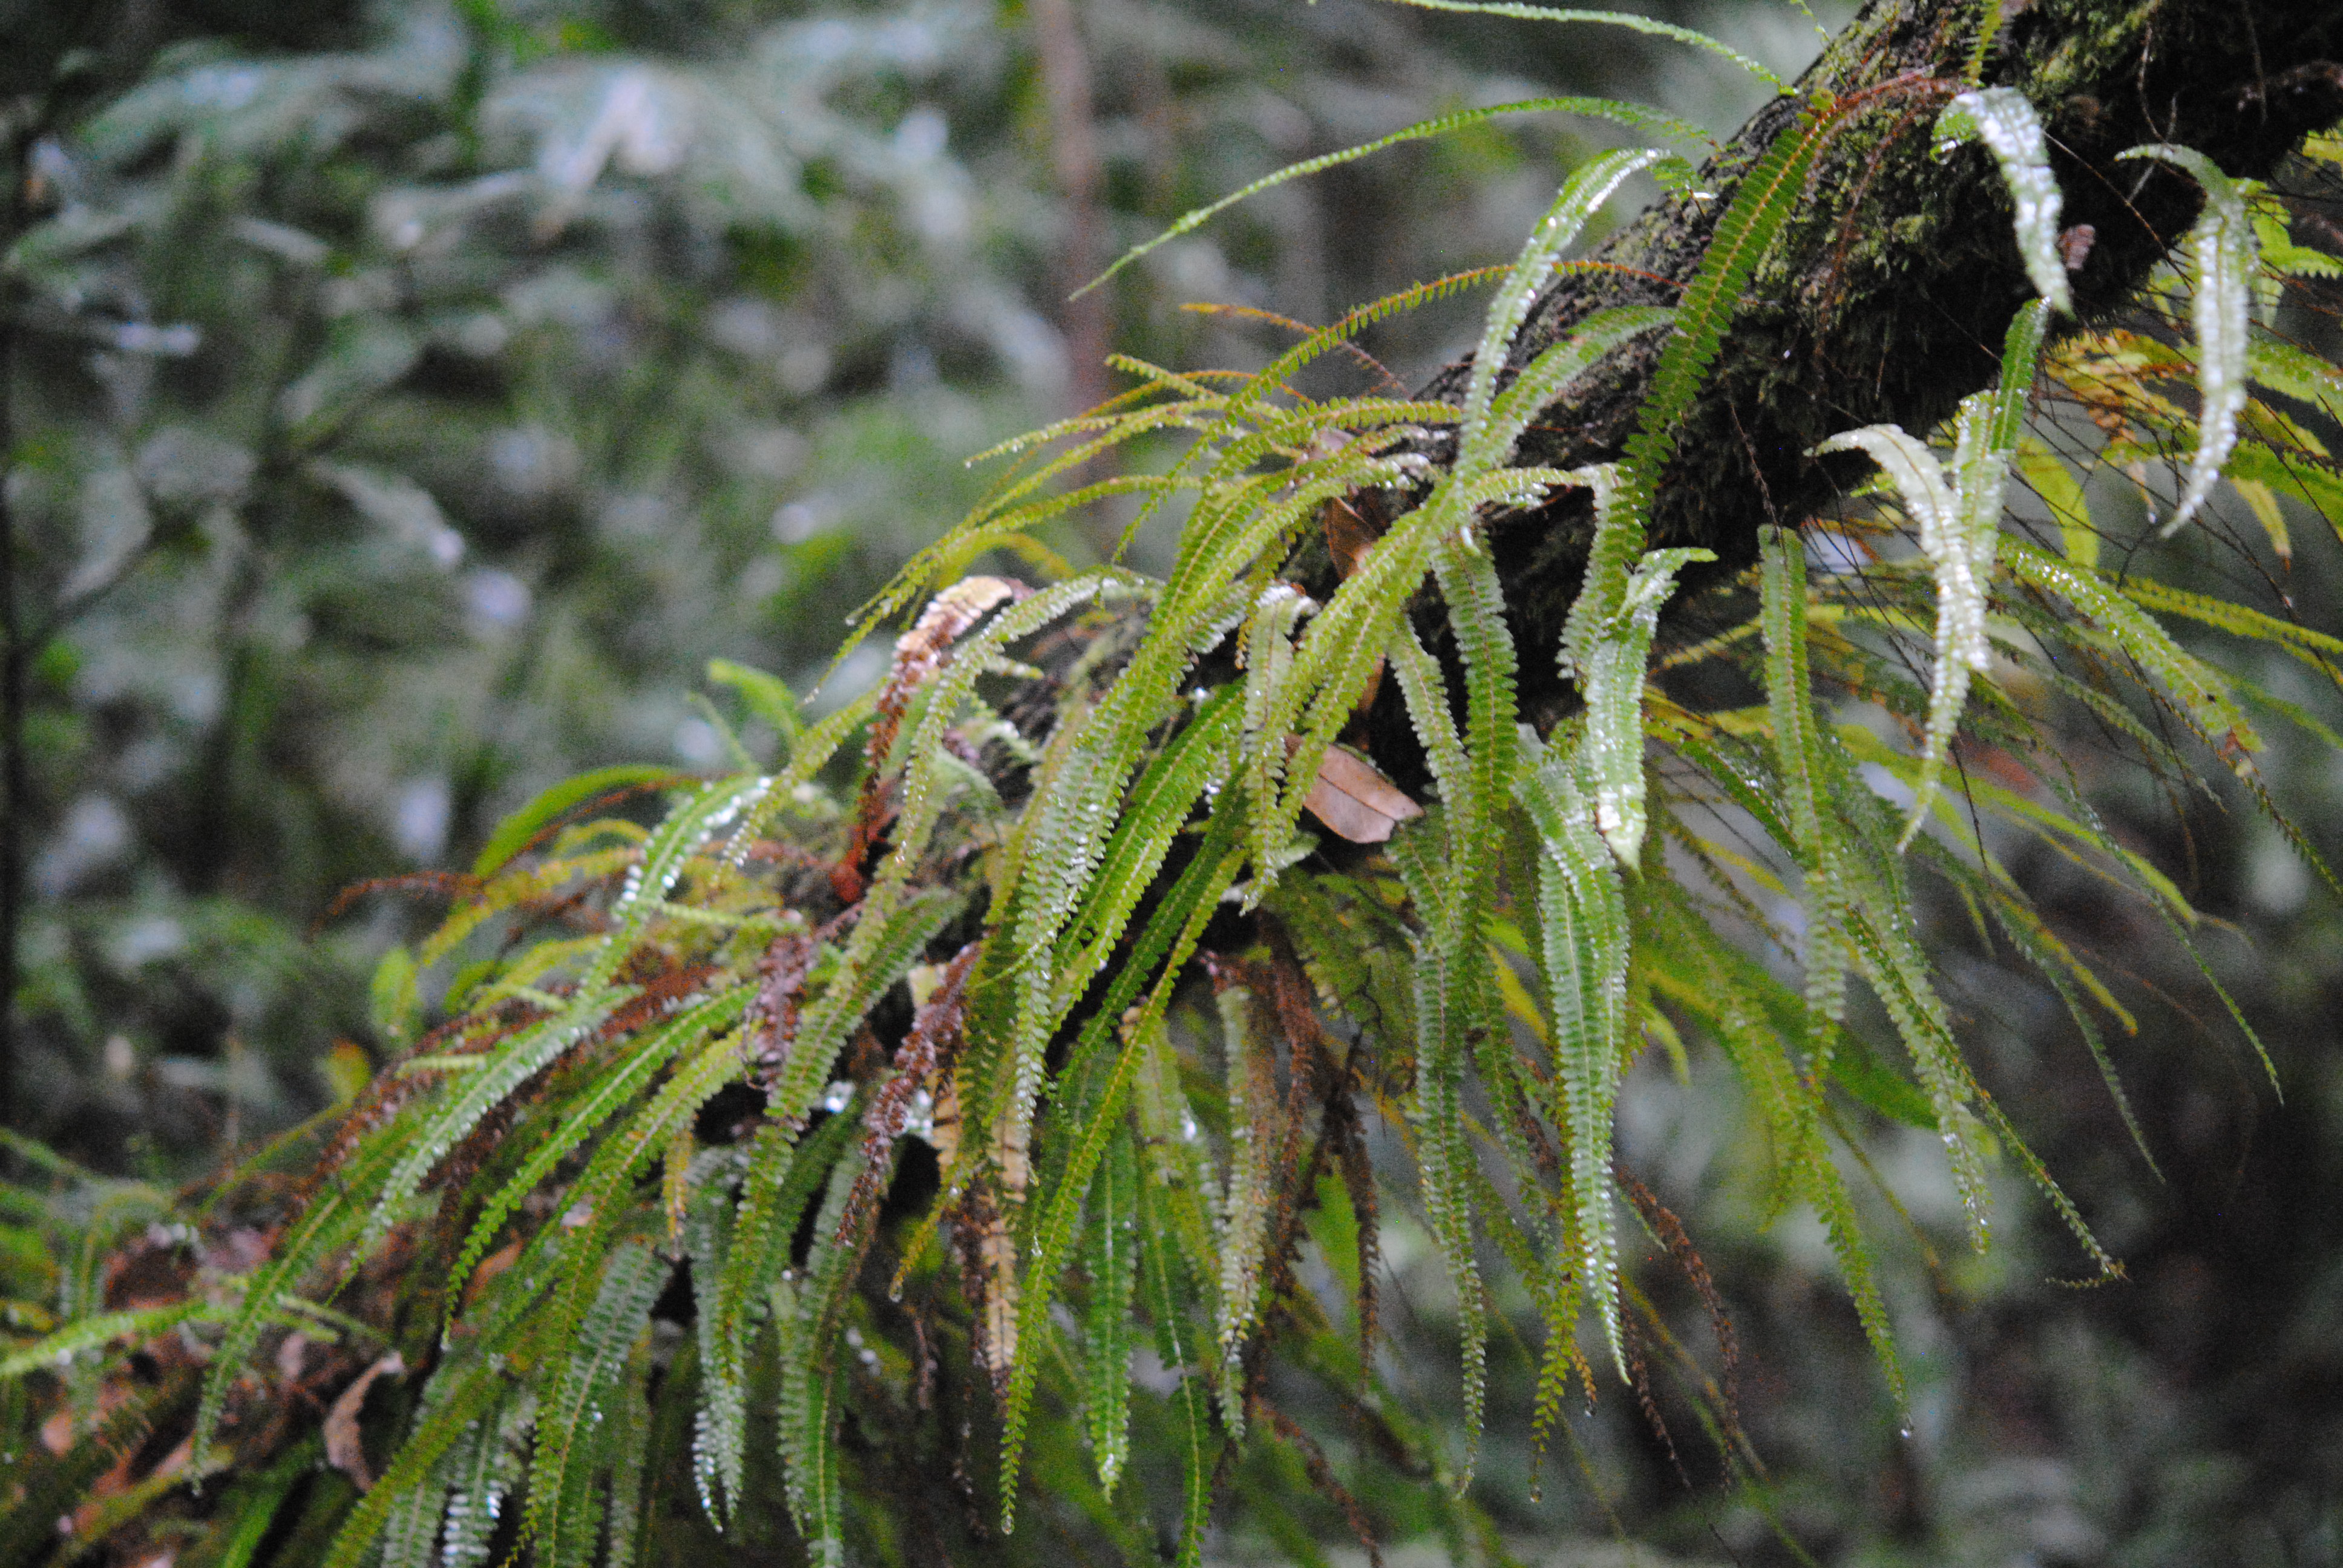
(985, 1067)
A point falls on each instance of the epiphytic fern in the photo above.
(1063, 921)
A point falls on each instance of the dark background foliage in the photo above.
(405, 403)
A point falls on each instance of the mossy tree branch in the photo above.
(1888, 295)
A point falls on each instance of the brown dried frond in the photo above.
(929, 1051)
(1673, 1235)
(1322, 1476)
(447, 884)
(988, 1279)
(920, 653)
(1640, 1374)
(662, 990)
(781, 969)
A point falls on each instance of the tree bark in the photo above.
(1886, 296)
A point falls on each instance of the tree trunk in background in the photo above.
(1887, 294)
(16, 648)
(1081, 176)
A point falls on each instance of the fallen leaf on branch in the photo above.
(1354, 800)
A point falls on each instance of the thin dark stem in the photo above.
(15, 657)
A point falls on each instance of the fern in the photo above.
(1487, 444)
(2004, 122)
(1960, 522)
(1767, 192)
(808, 1308)
(1246, 1193)
(470, 1397)
(1583, 912)
(1112, 1265)
(712, 1066)
(528, 1053)
(1627, 113)
(589, 1109)
(575, 1418)
(1169, 941)
(781, 1177)
(2222, 260)
(2201, 693)
(481, 1470)
(1649, 25)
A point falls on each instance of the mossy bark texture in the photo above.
(1886, 296)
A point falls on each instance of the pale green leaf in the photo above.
(2004, 122)
(2223, 257)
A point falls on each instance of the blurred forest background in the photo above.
(404, 403)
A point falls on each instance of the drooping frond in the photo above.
(1634, 115)
(2223, 255)
(1959, 516)
(1583, 912)
(1649, 25)
(2004, 122)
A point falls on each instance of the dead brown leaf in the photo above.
(1354, 800)
(344, 1449)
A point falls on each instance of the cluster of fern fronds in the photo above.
(1031, 1013)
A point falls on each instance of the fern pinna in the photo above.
(879, 1109)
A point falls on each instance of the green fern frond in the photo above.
(475, 1389)
(1112, 1264)
(1266, 651)
(1651, 26)
(134, 1326)
(1899, 979)
(595, 1211)
(1762, 202)
(1725, 998)
(477, 1093)
(574, 1416)
(2201, 693)
(616, 1087)
(1634, 115)
(1542, 381)
(1581, 195)
(628, 1418)
(1252, 1074)
(517, 832)
(333, 1220)
(2223, 256)
(780, 1177)
(2321, 650)
(1279, 373)
(1583, 912)
(886, 944)
(1162, 953)
(1443, 1015)
(1196, 760)
(1612, 671)
(1163, 1281)
(2004, 122)
(1960, 522)
(411, 1533)
(808, 1312)
(2023, 927)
